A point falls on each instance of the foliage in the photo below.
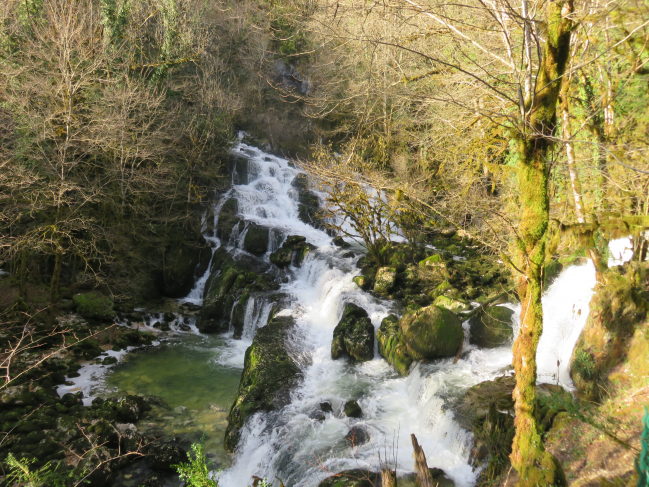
(196, 471)
(46, 476)
(585, 364)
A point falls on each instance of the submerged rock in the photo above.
(432, 333)
(354, 335)
(492, 327)
(384, 280)
(352, 409)
(269, 372)
(391, 345)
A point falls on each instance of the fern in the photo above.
(47, 476)
(196, 471)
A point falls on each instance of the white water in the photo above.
(291, 446)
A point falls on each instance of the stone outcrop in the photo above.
(354, 335)
(269, 372)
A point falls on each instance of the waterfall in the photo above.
(289, 444)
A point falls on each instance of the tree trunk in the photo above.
(56, 277)
(424, 479)
(535, 466)
(388, 478)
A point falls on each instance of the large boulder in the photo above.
(269, 372)
(227, 220)
(492, 327)
(391, 345)
(432, 333)
(94, 306)
(354, 335)
(256, 239)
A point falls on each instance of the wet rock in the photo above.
(317, 415)
(340, 242)
(431, 333)
(354, 335)
(293, 240)
(269, 372)
(163, 456)
(169, 317)
(228, 219)
(352, 409)
(131, 408)
(363, 282)
(282, 257)
(109, 361)
(391, 345)
(384, 280)
(239, 168)
(551, 271)
(357, 436)
(326, 407)
(256, 239)
(94, 306)
(239, 315)
(492, 327)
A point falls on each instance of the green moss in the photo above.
(94, 306)
(431, 333)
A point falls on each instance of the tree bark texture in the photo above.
(535, 466)
(424, 479)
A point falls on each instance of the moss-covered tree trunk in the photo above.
(535, 466)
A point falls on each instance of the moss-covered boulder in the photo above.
(432, 333)
(256, 239)
(451, 304)
(384, 280)
(269, 372)
(354, 335)
(617, 308)
(94, 306)
(391, 345)
(492, 327)
(227, 219)
(352, 409)
(282, 257)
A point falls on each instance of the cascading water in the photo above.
(288, 444)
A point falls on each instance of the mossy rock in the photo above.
(432, 333)
(492, 327)
(391, 345)
(293, 240)
(352, 409)
(256, 239)
(354, 335)
(384, 280)
(282, 257)
(363, 282)
(451, 304)
(94, 306)
(269, 372)
(551, 271)
(353, 478)
(617, 308)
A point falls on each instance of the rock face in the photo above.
(185, 259)
(268, 374)
(256, 239)
(391, 345)
(451, 304)
(354, 335)
(487, 409)
(94, 306)
(384, 280)
(617, 309)
(432, 333)
(492, 327)
(293, 251)
(228, 219)
(309, 204)
(228, 287)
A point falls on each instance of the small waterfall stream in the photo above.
(288, 444)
